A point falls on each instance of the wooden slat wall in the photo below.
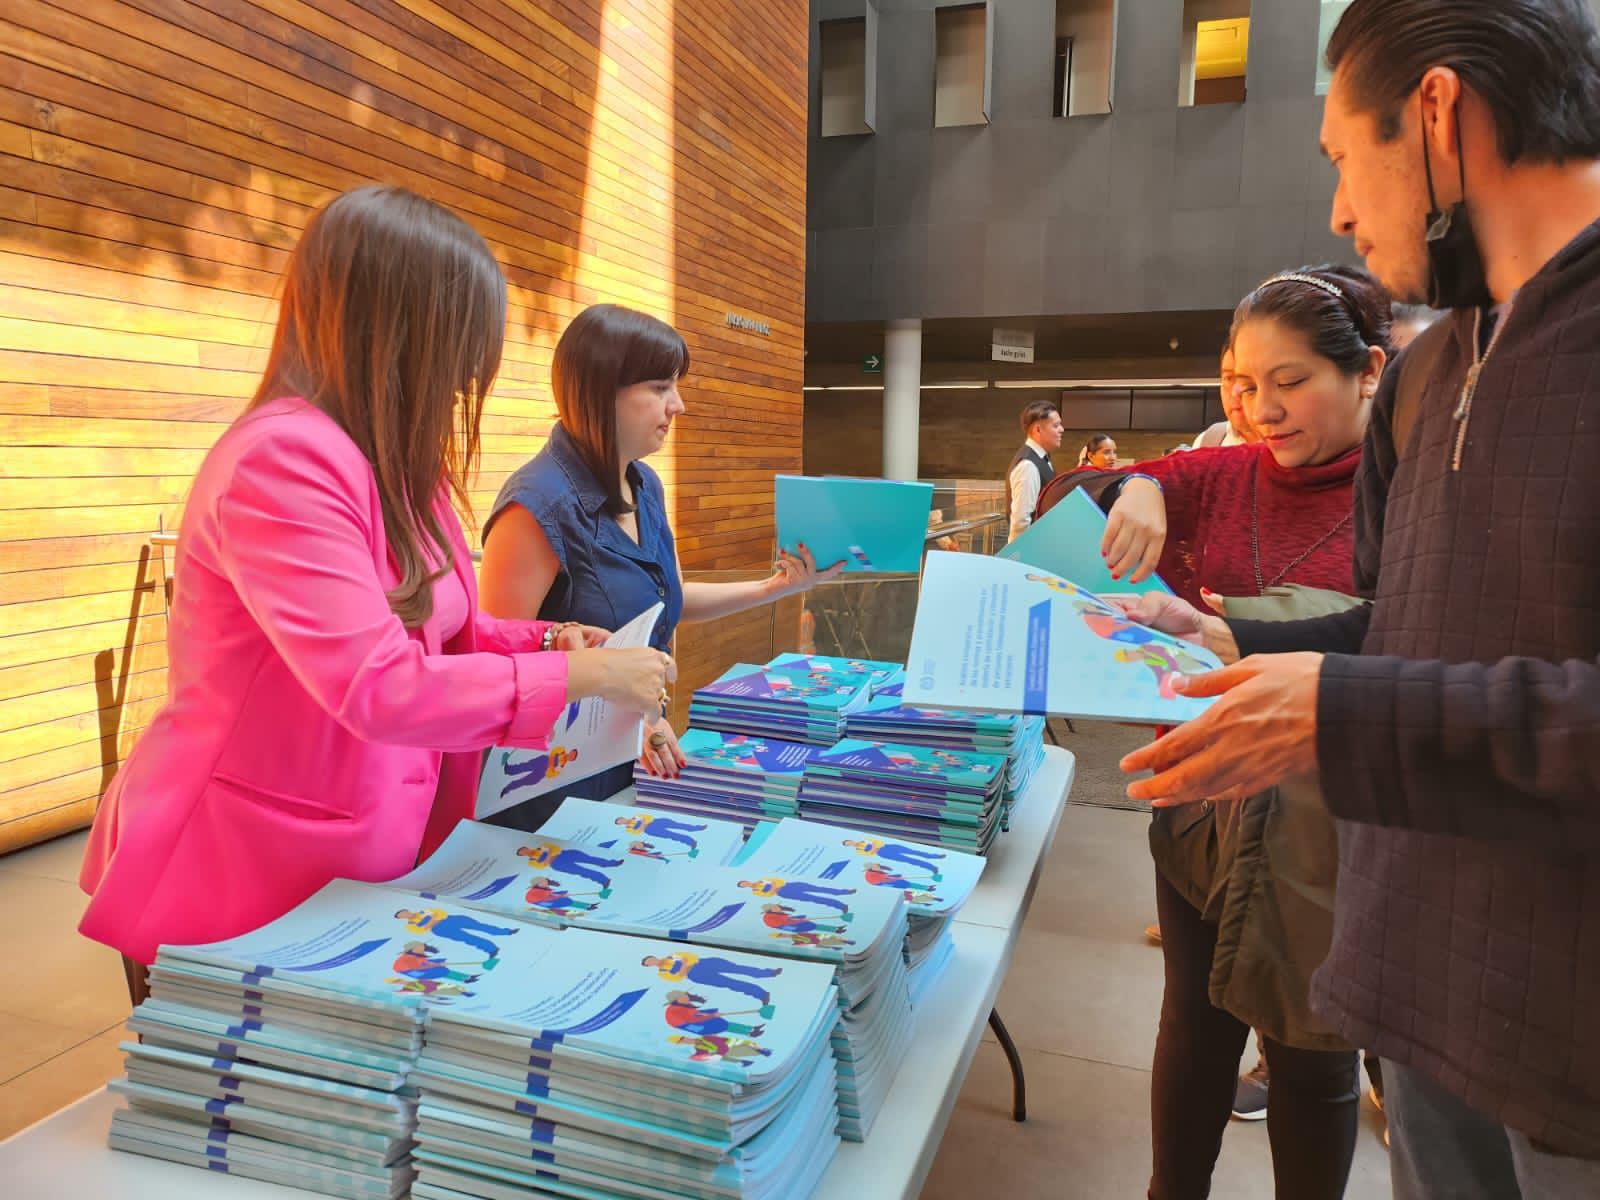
(157, 161)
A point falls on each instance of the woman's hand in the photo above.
(1136, 531)
(572, 636)
(798, 573)
(635, 678)
(1171, 614)
(661, 757)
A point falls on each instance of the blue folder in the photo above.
(1066, 542)
(870, 524)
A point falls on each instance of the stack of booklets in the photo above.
(789, 702)
(599, 1065)
(942, 797)
(879, 675)
(935, 882)
(541, 1060)
(258, 1060)
(887, 717)
(732, 776)
(860, 933)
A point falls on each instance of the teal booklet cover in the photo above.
(1004, 636)
(1066, 542)
(868, 524)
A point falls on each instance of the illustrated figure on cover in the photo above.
(878, 875)
(536, 768)
(551, 894)
(706, 1048)
(568, 860)
(688, 1012)
(715, 972)
(801, 891)
(456, 927)
(924, 858)
(423, 963)
(664, 829)
(786, 920)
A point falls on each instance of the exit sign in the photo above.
(872, 364)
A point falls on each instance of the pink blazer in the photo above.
(307, 734)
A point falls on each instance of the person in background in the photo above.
(332, 680)
(1234, 429)
(1244, 891)
(1030, 467)
(1409, 322)
(580, 532)
(1100, 452)
(1455, 721)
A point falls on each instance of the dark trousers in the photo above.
(1314, 1104)
(1445, 1150)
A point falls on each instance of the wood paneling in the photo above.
(158, 159)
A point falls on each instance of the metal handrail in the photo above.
(167, 540)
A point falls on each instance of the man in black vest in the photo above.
(1030, 470)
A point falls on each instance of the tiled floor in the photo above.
(1081, 1001)
(58, 1034)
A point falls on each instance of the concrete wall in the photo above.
(1152, 207)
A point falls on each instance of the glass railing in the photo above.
(854, 616)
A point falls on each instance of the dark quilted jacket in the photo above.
(1459, 724)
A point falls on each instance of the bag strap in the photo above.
(1415, 371)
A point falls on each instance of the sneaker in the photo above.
(1250, 1097)
(1152, 934)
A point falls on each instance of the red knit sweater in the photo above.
(1208, 495)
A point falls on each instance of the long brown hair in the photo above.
(605, 349)
(392, 323)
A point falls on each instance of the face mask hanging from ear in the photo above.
(1456, 275)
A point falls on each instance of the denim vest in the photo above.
(606, 579)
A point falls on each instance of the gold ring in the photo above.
(658, 740)
(664, 698)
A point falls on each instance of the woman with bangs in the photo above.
(332, 682)
(580, 532)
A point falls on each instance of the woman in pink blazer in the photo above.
(331, 679)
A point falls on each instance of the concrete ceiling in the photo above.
(1056, 338)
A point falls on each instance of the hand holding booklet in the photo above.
(1066, 543)
(868, 524)
(1006, 637)
(590, 735)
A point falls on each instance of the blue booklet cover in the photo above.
(1066, 543)
(880, 675)
(574, 988)
(745, 686)
(913, 766)
(934, 881)
(868, 524)
(642, 832)
(741, 754)
(999, 635)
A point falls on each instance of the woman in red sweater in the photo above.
(1240, 522)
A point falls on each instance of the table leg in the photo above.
(1019, 1085)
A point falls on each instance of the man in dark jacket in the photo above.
(1455, 721)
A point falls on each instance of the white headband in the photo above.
(1295, 277)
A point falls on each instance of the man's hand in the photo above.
(1262, 731)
